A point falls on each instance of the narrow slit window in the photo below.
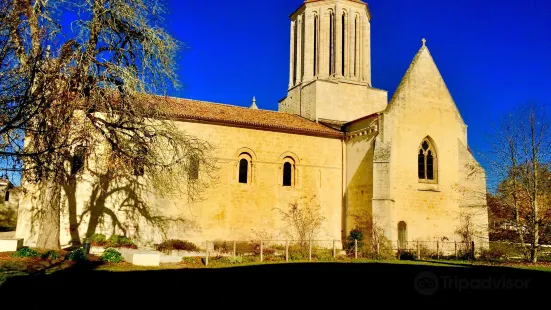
(315, 45)
(193, 172)
(295, 52)
(343, 43)
(287, 174)
(331, 42)
(243, 171)
(7, 196)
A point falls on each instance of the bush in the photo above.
(118, 241)
(98, 240)
(355, 234)
(173, 244)
(77, 255)
(235, 259)
(51, 255)
(494, 253)
(406, 255)
(112, 256)
(25, 252)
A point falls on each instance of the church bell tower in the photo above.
(330, 62)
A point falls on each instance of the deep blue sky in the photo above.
(492, 54)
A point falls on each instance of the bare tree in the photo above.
(520, 162)
(303, 219)
(85, 88)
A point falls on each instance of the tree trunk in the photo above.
(51, 212)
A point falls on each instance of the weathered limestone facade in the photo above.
(405, 162)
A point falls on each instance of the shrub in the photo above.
(494, 253)
(98, 239)
(77, 255)
(355, 234)
(118, 241)
(175, 244)
(112, 256)
(51, 255)
(25, 252)
(235, 259)
(406, 255)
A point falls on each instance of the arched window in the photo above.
(193, 172)
(402, 234)
(426, 162)
(343, 43)
(78, 159)
(295, 52)
(331, 42)
(287, 174)
(356, 45)
(243, 171)
(316, 27)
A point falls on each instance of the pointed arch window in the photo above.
(427, 162)
(402, 234)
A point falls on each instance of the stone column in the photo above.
(366, 45)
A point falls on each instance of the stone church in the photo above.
(336, 142)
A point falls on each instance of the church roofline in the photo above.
(180, 109)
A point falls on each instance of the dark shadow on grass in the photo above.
(306, 283)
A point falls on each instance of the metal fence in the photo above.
(320, 250)
(330, 250)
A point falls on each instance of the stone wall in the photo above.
(230, 210)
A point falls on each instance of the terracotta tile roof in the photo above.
(186, 109)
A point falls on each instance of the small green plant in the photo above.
(119, 241)
(98, 239)
(25, 252)
(192, 260)
(112, 256)
(51, 255)
(77, 255)
(174, 244)
(235, 259)
(355, 234)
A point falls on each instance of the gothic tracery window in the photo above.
(426, 162)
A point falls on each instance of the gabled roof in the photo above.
(202, 111)
(415, 62)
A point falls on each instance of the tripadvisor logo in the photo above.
(427, 283)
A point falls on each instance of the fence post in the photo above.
(334, 249)
(398, 245)
(356, 248)
(455, 242)
(207, 253)
(473, 249)
(234, 248)
(261, 251)
(437, 249)
(286, 250)
(378, 250)
(418, 250)
(310, 250)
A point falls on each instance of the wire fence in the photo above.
(322, 250)
(331, 250)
